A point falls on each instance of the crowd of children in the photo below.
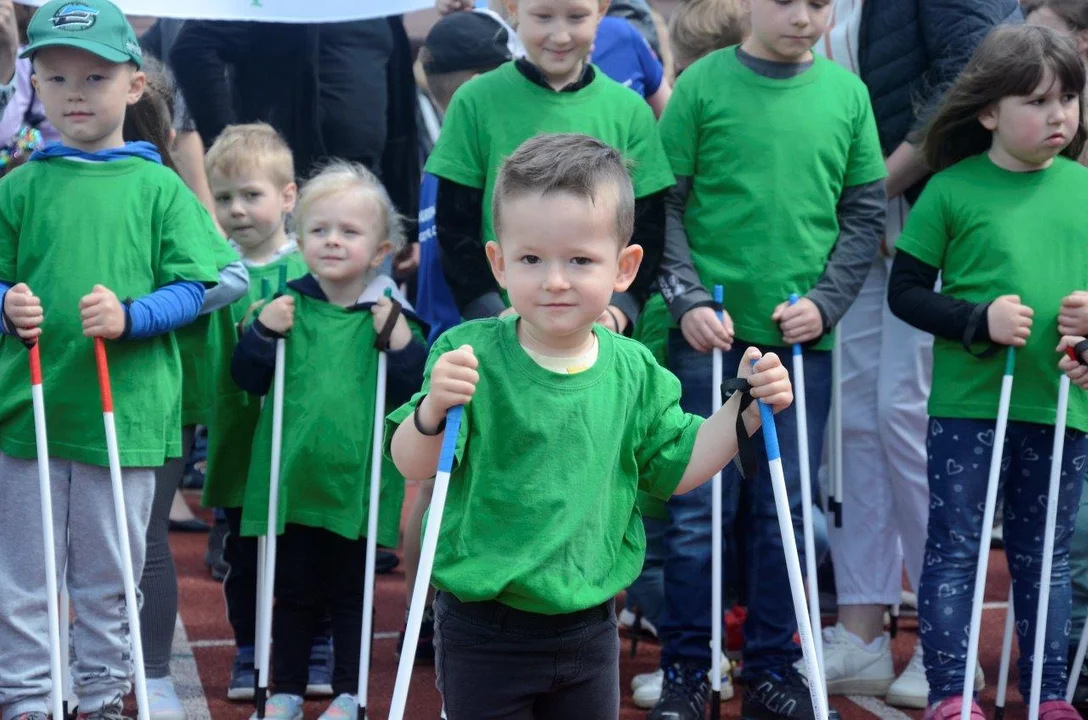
(581, 200)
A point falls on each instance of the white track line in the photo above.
(186, 676)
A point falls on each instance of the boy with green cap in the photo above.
(87, 221)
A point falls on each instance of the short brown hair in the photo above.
(699, 27)
(1073, 12)
(566, 162)
(248, 147)
(1010, 62)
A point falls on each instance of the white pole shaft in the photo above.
(260, 651)
(1006, 654)
(267, 588)
(131, 608)
(45, 487)
(1039, 653)
(984, 544)
(65, 626)
(1078, 664)
(372, 533)
(836, 420)
(716, 616)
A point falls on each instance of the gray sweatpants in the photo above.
(86, 539)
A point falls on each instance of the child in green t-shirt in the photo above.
(564, 422)
(332, 319)
(88, 221)
(1002, 224)
(552, 89)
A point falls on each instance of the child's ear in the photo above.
(988, 117)
(498, 262)
(380, 253)
(627, 267)
(290, 196)
(136, 87)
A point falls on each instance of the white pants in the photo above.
(886, 373)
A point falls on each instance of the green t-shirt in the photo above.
(769, 159)
(652, 330)
(328, 429)
(541, 513)
(494, 113)
(133, 227)
(993, 232)
(232, 420)
(199, 343)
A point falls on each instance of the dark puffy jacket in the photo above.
(910, 52)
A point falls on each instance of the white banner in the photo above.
(288, 11)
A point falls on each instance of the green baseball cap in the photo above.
(97, 26)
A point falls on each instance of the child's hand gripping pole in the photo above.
(1048, 548)
(131, 608)
(426, 563)
(987, 531)
(834, 493)
(266, 572)
(806, 498)
(816, 689)
(56, 672)
(716, 539)
(382, 344)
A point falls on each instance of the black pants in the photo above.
(317, 570)
(240, 585)
(498, 663)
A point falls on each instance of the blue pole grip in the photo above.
(796, 346)
(770, 432)
(718, 299)
(1010, 361)
(449, 440)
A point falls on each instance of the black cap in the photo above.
(467, 41)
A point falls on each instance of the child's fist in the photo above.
(769, 380)
(402, 334)
(1076, 370)
(279, 315)
(704, 331)
(1009, 322)
(800, 322)
(102, 314)
(1073, 316)
(453, 382)
(24, 309)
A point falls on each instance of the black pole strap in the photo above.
(746, 452)
(382, 341)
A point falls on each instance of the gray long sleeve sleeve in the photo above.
(233, 284)
(861, 211)
(677, 279)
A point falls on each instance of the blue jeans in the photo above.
(959, 464)
(771, 623)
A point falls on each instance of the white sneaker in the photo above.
(162, 700)
(647, 687)
(627, 620)
(911, 689)
(850, 669)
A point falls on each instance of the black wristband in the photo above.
(1080, 349)
(422, 431)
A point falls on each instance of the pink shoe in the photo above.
(950, 709)
(1057, 710)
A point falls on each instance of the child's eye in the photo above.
(222, 199)
(542, 17)
(252, 195)
(530, 259)
(579, 17)
(56, 78)
(581, 261)
(96, 78)
(1069, 97)
(351, 232)
(316, 231)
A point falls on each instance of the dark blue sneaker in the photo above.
(243, 677)
(684, 692)
(780, 695)
(320, 682)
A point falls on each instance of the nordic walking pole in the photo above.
(806, 498)
(45, 488)
(834, 503)
(267, 588)
(65, 627)
(260, 652)
(816, 688)
(426, 563)
(716, 539)
(132, 609)
(1006, 660)
(1048, 547)
(372, 517)
(1078, 664)
(987, 531)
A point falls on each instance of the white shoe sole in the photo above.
(318, 691)
(647, 703)
(240, 694)
(875, 687)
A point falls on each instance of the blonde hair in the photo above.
(253, 146)
(699, 27)
(341, 176)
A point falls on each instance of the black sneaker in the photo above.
(780, 695)
(213, 556)
(684, 692)
(425, 645)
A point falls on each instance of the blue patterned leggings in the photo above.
(959, 462)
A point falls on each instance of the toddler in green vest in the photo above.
(88, 221)
(564, 422)
(332, 318)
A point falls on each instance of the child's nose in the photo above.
(556, 279)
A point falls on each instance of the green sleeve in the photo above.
(679, 126)
(459, 155)
(927, 231)
(651, 171)
(866, 161)
(223, 252)
(9, 235)
(185, 254)
(665, 450)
